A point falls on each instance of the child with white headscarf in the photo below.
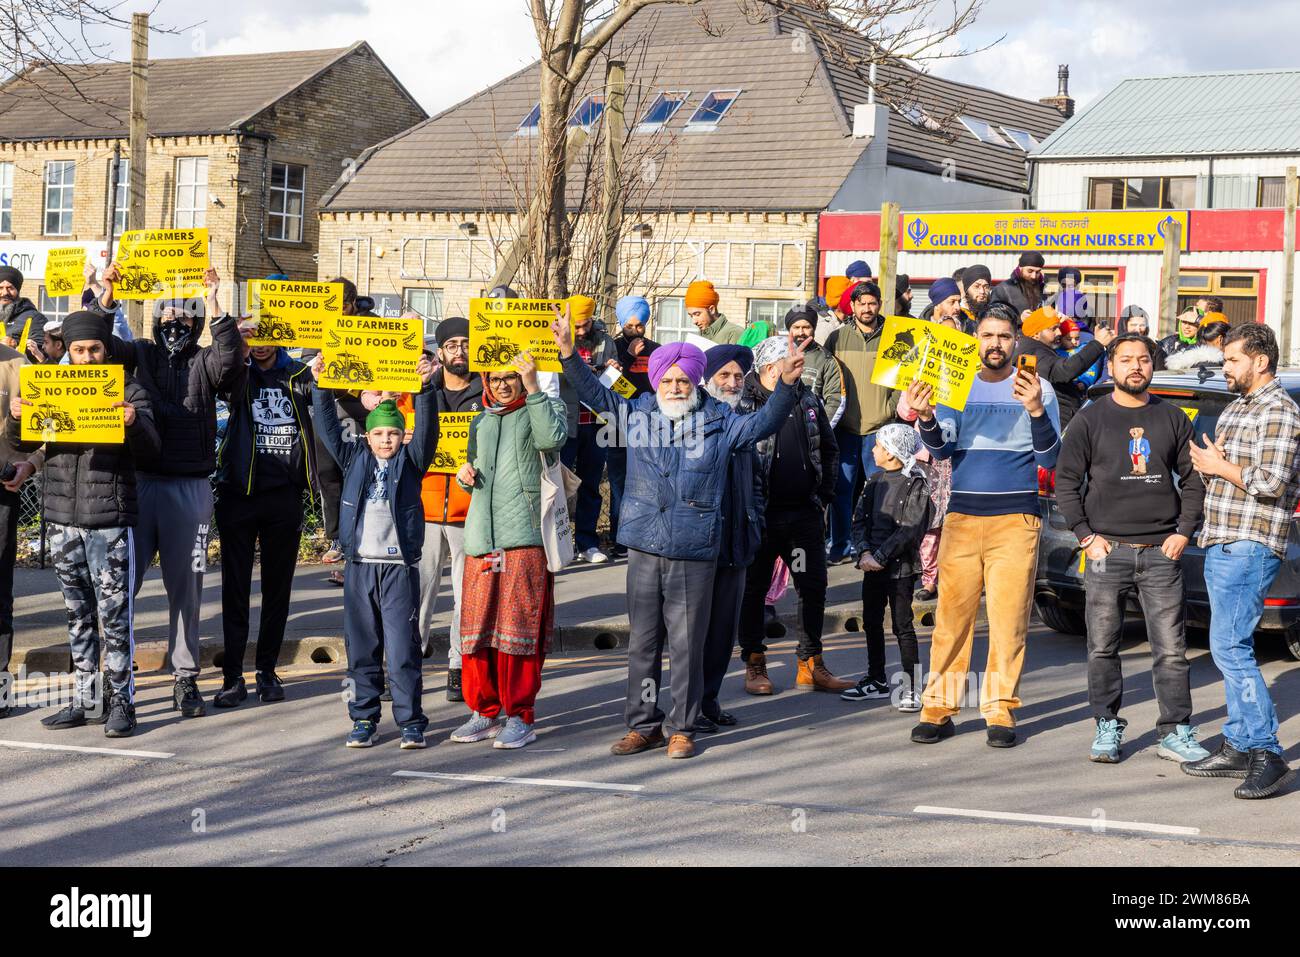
(891, 516)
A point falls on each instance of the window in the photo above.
(983, 131)
(1143, 192)
(1238, 290)
(588, 111)
(288, 196)
(121, 193)
(770, 310)
(191, 192)
(528, 126)
(6, 197)
(1022, 138)
(60, 177)
(54, 307)
(428, 303)
(670, 322)
(917, 116)
(712, 109)
(663, 109)
(1272, 193)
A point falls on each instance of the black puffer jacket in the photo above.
(184, 390)
(14, 317)
(93, 486)
(236, 459)
(823, 451)
(892, 516)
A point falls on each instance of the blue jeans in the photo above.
(585, 456)
(856, 460)
(1238, 576)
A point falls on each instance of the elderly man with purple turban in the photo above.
(679, 440)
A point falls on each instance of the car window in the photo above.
(1203, 409)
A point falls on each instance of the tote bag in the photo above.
(557, 537)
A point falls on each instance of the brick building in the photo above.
(244, 145)
(741, 135)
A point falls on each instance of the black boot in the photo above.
(269, 686)
(454, 692)
(186, 698)
(1227, 762)
(1267, 775)
(232, 693)
(121, 718)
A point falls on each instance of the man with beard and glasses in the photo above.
(725, 368)
(446, 504)
(634, 351)
(1251, 491)
(1126, 487)
(998, 442)
(821, 370)
(679, 443)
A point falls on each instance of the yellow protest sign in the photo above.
(453, 442)
(616, 382)
(916, 349)
(292, 313)
(65, 271)
(367, 352)
(500, 329)
(162, 264)
(72, 403)
(22, 341)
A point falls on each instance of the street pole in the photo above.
(1169, 280)
(138, 144)
(1288, 262)
(888, 256)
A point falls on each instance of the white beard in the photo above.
(731, 398)
(677, 409)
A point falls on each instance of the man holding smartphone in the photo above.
(1039, 337)
(1006, 432)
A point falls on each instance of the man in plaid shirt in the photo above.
(1251, 492)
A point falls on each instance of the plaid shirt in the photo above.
(1261, 433)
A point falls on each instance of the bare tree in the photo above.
(571, 34)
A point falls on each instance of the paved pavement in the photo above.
(804, 778)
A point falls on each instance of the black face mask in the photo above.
(176, 334)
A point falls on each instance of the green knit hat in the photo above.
(386, 415)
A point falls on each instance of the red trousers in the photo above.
(493, 681)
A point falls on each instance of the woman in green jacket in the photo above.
(507, 595)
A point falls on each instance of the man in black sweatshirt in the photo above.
(1115, 485)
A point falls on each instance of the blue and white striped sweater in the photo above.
(996, 449)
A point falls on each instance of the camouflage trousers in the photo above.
(94, 568)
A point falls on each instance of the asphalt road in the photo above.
(805, 778)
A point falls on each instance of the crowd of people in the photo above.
(733, 472)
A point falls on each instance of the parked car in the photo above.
(1059, 594)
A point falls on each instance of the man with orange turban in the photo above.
(702, 309)
(582, 453)
(1039, 337)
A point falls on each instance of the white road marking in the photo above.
(116, 752)
(1100, 824)
(537, 782)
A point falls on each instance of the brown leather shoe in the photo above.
(756, 679)
(680, 746)
(634, 742)
(813, 676)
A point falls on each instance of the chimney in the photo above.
(1062, 102)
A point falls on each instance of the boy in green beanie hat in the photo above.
(381, 529)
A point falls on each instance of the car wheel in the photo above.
(1292, 638)
(1058, 618)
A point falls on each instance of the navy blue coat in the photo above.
(676, 472)
(405, 472)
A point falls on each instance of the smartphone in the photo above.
(1027, 364)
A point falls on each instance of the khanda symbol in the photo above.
(917, 230)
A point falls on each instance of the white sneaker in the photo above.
(515, 734)
(595, 556)
(909, 702)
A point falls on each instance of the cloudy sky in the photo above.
(444, 50)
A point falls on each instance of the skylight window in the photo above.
(984, 132)
(529, 125)
(915, 115)
(1022, 138)
(663, 109)
(588, 111)
(712, 109)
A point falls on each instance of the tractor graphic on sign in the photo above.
(48, 419)
(271, 327)
(349, 368)
(443, 460)
(496, 351)
(137, 280)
